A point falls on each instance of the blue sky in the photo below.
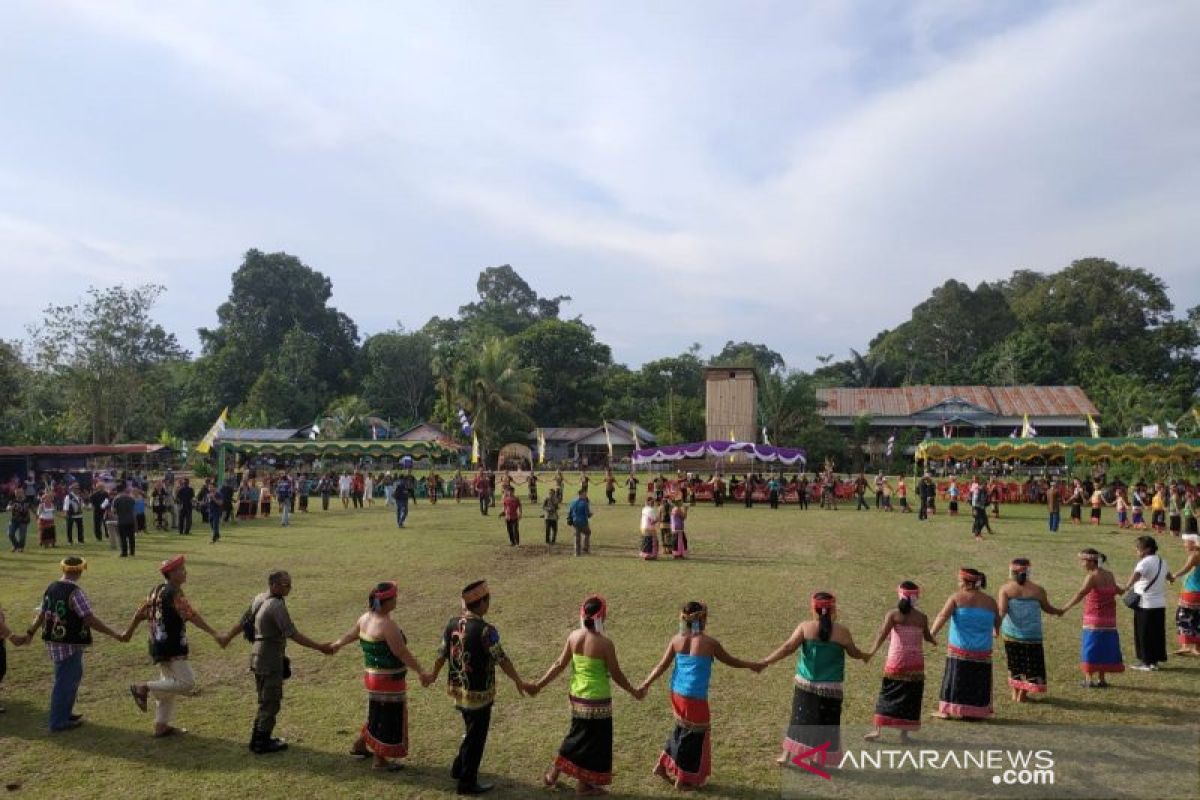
(795, 173)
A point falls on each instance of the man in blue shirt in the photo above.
(577, 517)
(283, 493)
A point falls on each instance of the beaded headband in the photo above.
(911, 594)
(384, 591)
(73, 568)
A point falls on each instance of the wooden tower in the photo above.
(731, 404)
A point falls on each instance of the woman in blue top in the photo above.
(1020, 605)
(974, 620)
(686, 758)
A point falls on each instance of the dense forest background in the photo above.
(102, 369)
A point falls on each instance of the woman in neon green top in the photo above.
(586, 752)
(820, 670)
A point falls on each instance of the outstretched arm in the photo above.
(352, 635)
(1044, 602)
(614, 669)
(732, 661)
(943, 616)
(852, 649)
(884, 630)
(511, 671)
(1082, 593)
(659, 668)
(788, 647)
(321, 647)
(556, 668)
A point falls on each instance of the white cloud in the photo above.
(823, 165)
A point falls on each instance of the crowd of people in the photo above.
(471, 649)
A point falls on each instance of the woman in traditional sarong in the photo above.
(665, 534)
(820, 669)
(678, 522)
(1187, 615)
(967, 682)
(903, 689)
(586, 752)
(1021, 603)
(648, 549)
(243, 507)
(264, 497)
(47, 536)
(1100, 644)
(686, 758)
(387, 658)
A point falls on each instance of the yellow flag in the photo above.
(207, 442)
(474, 448)
(1093, 428)
(541, 443)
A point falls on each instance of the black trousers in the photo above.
(185, 519)
(924, 512)
(125, 534)
(98, 524)
(75, 523)
(608, 493)
(551, 531)
(1150, 635)
(514, 530)
(470, 752)
(862, 502)
(483, 504)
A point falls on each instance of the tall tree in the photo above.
(497, 392)
(748, 354)
(507, 304)
(273, 293)
(398, 374)
(571, 367)
(102, 350)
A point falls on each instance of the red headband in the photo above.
(171, 564)
(911, 594)
(820, 604)
(602, 613)
(1015, 567)
(384, 591)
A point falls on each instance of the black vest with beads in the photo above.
(61, 624)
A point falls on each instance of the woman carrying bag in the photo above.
(1146, 594)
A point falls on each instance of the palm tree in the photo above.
(495, 390)
(345, 418)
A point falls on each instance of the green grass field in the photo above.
(755, 568)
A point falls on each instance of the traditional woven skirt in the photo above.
(1100, 650)
(47, 534)
(668, 539)
(687, 756)
(816, 722)
(586, 752)
(1026, 665)
(649, 546)
(681, 545)
(386, 731)
(967, 685)
(1187, 618)
(899, 703)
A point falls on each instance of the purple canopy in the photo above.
(716, 449)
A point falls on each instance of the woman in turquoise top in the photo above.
(1020, 604)
(686, 759)
(586, 752)
(816, 720)
(1187, 616)
(974, 619)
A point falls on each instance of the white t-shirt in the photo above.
(649, 518)
(1153, 595)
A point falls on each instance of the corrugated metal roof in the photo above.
(1004, 401)
(259, 434)
(79, 449)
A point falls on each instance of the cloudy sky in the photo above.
(795, 173)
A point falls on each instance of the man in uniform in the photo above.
(272, 626)
(472, 646)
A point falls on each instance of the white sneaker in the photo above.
(1140, 667)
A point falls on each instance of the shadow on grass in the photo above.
(197, 752)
